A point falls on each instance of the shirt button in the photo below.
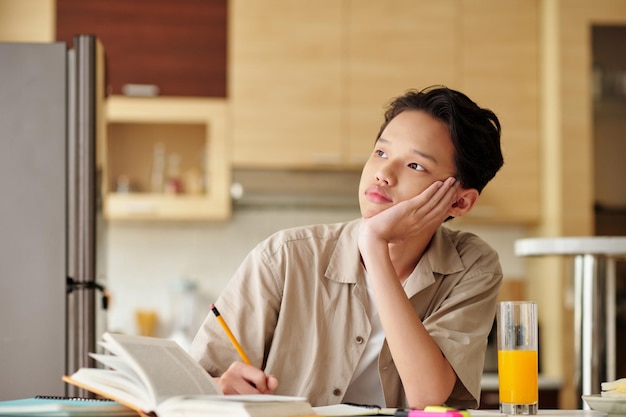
(336, 392)
(359, 340)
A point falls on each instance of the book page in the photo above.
(113, 385)
(163, 366)
(256, 405)
(338, 410)
(118, 364)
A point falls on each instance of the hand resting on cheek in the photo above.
(421, 214)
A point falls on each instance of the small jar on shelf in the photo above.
(173, 183)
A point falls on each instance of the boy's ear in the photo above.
(465, 200)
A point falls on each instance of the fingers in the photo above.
(436, 191)
(421, 214)
(446, 194)
(436, 199)
(272, 383)
(241, 378)
(447, 189)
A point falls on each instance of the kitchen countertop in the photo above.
(555, 413)
(490, 382)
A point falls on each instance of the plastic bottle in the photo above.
(183, 300)
(157, 176)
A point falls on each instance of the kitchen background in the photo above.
(144, 260)
(280, 70)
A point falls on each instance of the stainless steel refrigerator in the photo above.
(50, 99)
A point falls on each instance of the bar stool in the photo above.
(594, 305)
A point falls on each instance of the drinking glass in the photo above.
(146, 322)
(517, 357)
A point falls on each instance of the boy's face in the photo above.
(413, 151)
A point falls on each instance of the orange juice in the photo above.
(517, 375)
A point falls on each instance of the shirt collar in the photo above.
(339, 268)
(440, 258)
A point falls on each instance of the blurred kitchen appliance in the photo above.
(594, 262)
(183, 311)
(267, 188)
(50, 98)
(611, 221)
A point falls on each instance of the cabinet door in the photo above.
(178, 46)
(285, 82)
(499, 67)
(393, 46)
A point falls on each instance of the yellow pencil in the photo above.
(230, 335)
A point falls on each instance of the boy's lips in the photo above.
(377, 194)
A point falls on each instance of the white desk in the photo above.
(544, 413)
(594, 288)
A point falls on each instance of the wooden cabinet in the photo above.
(392, 46)
(165, 158)
(309, 82)
(285, 82)
(177, 46)
(499, 69)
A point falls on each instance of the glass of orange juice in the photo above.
(517, 357)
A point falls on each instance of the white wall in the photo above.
(142, 259)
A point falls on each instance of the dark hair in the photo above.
(475, 131)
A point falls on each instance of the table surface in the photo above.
(546, 413)
(590, 245)
(489, 381)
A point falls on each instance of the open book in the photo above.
(157, 377)
(346, 410)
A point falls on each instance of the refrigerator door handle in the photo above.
(73, 285)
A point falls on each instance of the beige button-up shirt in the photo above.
(296, 305)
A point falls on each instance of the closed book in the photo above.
(60, 407)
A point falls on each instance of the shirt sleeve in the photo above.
(461, 324)
(249, 305)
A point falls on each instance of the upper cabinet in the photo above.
(286, 82)
(390, 47)
(499, 69)
(308, 81)
(172, 48)
(163, 159)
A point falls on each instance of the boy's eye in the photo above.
(380, 153)
(416, 166)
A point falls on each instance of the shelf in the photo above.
(136, 206)
(189, 134)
